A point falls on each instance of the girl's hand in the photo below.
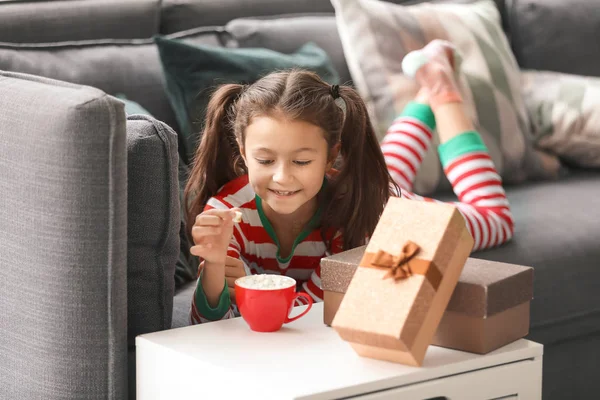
(234, 268)
(212, 233)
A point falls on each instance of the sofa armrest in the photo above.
(63, 230)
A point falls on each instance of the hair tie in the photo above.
(335, 91)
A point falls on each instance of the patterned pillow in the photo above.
(565, 115)
(376, 35)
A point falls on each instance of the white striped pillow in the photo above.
(565, 113)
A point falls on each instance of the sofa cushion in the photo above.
(287, 33)
(63, 229)
(36, 21)
(130, 67)
(153, 224)
(565, 115)
(377, 35)
(193, 72)
(182, 305)
(539, 40)
(556, 233)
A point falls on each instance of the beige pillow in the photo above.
(376, 35)
(565, 115)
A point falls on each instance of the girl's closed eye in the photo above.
(263, 161)
(298, 162)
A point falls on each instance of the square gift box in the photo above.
(406, 276)
(489, 307)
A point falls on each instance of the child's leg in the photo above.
(470, 170)
(407, 140)
(464, 156)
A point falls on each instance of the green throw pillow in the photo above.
(131, 107)
(193, 72)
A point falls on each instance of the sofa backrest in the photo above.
(130, 66)
(178, 15)
(31, 21)
(556, 35)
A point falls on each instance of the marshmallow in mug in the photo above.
(266, 282)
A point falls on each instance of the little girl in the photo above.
(269, 151)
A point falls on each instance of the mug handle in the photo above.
(310, 303)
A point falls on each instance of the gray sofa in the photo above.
(89, 217)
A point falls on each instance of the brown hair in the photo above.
(353, 199)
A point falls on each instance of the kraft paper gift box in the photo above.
(489, 307)
(396, 298)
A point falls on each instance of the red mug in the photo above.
(265, 309)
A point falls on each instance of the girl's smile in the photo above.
(284, 194)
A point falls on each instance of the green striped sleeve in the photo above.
(420, 111)
(464, 143)
(205, 310)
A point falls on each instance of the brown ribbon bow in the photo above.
(399, 265)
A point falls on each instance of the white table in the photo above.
(308, 360)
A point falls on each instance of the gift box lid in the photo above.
(337, 270)
(484, 287)
(489, 287)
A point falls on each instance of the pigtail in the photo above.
(362, 187)
(217, 159)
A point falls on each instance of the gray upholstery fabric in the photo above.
(182, 304)
(153, 221)
(53, 21)
(287, 34)
(557, 233)
(178, 15)
(131, 67)
(571, 369)
(63, 229)
(540, 40)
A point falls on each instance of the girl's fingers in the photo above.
(199, 249)
(230, 281)
(225, 215)
(234, 272)
(203, 239)
(234, 262)
(208, 219)
(198, 232)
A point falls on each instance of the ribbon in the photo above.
(401, 266)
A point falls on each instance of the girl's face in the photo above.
(287, 161)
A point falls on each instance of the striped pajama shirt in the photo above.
(466, 162)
